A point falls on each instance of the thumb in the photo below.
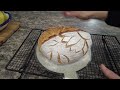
(108, 73)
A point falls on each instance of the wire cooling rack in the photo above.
(105, 50)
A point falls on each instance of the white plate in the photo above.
(1, 28)
(69, 70)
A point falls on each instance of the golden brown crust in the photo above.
(54, 31)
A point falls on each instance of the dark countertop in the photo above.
(44, 19)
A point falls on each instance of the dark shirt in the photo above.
(113, 18)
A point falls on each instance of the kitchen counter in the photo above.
(42, 20)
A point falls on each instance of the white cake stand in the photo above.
(69, 70)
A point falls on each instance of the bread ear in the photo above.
(55, 31)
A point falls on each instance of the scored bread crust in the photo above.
(55, 31)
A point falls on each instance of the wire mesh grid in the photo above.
(105, 49)
(22, 54)
(33, 66)
(100, 55)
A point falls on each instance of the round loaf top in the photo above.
(55, 31)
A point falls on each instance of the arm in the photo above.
(110, 17)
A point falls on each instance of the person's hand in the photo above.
(87, 14)
(108, 73)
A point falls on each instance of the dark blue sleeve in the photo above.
(113, 18)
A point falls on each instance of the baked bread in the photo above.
(64, 45)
